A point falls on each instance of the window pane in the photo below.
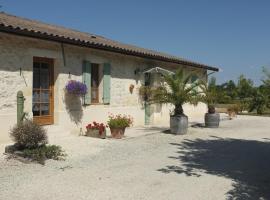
(36, 96)
(36, 77)
(44, 76)
(44, 107)
(95, 75)
(44, 96)
(35, 109)
(94, 94)
(94, 82)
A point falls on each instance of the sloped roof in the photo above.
(32, 28)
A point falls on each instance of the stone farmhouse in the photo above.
(39, 59)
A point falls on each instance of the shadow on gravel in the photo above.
(197, 125)
(246, 162)
(152, 129)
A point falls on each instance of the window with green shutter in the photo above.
(106, 83)
(86, 71)
(95, 82)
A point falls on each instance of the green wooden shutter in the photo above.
(106, 83)
(87, 80)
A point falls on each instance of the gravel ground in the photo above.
(231, 162)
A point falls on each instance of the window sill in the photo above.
(96, 104)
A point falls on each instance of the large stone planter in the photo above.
(95, 133)
(212, 120)
(117, 133)
(179, 124)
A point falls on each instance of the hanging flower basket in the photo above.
(76, 88)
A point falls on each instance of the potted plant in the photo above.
(177, 91)
(76, 88)
(232, 111)
(209, 97)
(118, 124)
(97, 130)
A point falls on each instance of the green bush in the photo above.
(28, 134)
(42, 153)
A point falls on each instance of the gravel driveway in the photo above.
(232, 162)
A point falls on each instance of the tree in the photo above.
(260, 102)
(245, 88)
(230, 89)
(220, 91)
(177, 90)
(266, 80)
(208, 94)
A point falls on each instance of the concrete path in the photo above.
(231, 162)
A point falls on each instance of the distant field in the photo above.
(222, 108)
(255, 114)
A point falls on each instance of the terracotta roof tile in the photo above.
(32, 28)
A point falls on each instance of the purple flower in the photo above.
(76, 88)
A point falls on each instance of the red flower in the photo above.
(96, 126)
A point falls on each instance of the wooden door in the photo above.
(43, 82)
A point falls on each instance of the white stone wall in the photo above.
(17, 52)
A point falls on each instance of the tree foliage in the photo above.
(176, 90)
(209, 94)
(260, 102)
(244, 93)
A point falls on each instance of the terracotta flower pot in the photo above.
(117, 133)
(95, 133)
(231, 114)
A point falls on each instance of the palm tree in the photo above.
(208, 95)
(176, 90)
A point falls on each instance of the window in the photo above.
(97, 77)
(95, 81)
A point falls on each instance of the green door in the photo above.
(147, 113)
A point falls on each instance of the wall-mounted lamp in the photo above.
(131, 87)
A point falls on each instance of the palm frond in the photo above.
(176, 91)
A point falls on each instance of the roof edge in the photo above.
(45, 36)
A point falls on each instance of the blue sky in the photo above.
(234, 35)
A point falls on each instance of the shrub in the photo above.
(44, 152)
(28, 134)
(119, 121)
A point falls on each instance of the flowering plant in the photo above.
(119, 121)
(96, 126)
(76, 87)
